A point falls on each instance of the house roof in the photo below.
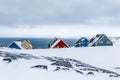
(27, 44)
(18, 43)
(55, 43)
(95, 39)
(81, 40)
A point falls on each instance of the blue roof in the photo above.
(16, 45)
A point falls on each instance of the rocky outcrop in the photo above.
(59, 63)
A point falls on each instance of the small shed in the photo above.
(100, 40)
(58, 43)
(82, 42)
(16, 44)
(27, 44)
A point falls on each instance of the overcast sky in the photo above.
(62, 18)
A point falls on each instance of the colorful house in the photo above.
(58, 43)
(82, 42)
(16, 44)
(27, 44)
(100, 40)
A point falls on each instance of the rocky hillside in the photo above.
(54, 63)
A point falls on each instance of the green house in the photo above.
(100, 40)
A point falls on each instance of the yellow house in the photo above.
(27, 44)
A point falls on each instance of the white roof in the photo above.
(95, 40)
(18, 43)
(54, 44)
(90, 44)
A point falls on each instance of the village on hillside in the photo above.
(97, 40)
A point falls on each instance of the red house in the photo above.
(58, 43)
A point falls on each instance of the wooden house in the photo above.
(100, 40)
(16, 44)
(27, 44)
(82, 42)
(58, 43)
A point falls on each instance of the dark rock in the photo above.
(58, 68)
(114, 75)
(62, 63)
(8, 60)
(117, 67)
(40, 66)
(90, 73)
(79, 72)
(65, 68)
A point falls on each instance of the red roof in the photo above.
(60, 44)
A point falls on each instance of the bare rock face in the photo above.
(40, 66)
(9, 57)
(78, 66)
(62, 63)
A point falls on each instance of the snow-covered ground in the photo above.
(116, 41)
(87, 63)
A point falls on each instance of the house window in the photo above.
(57, 47)
(108, 42)
(101, 42)
(64, 46)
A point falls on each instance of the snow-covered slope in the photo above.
(115, 40)
(91, 63)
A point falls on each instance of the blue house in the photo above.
(82, 42)
(16, 44)
(100, 40)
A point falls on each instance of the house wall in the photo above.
(104, 42)
(61, 44)
(84, 43)
(27, 45)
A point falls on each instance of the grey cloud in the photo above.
(37, 12)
